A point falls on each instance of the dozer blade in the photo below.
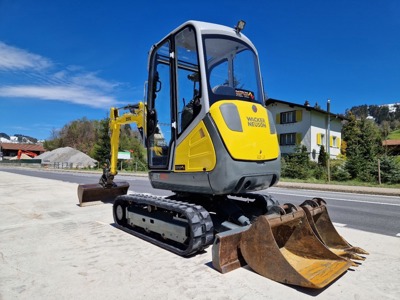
(226, 255)
(318, 217)
(282, 248)
(88, 193)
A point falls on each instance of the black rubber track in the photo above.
(200, 225)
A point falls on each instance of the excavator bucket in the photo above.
(318, 217)
(282, 248)
(89, 193)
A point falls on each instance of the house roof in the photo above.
(306, 107)
(391, 143)
(24, 147)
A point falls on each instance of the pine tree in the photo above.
(322, 157)
(102, 148)
(363, 146)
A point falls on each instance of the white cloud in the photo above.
(90, 79)
(60, 75)
(69, 84)
(72, 94)
(12, 58)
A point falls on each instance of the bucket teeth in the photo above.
(347, 254)
(318, 217)
(283, 248)
(357, 250)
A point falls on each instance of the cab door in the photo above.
(174, 99)
(160, 116)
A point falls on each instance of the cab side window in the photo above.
(160, 108)
(188, 78)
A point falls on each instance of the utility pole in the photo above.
(328, 139)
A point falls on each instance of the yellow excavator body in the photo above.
(246, 144)
(196, 152)
(215, 151)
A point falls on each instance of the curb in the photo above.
(340, 188)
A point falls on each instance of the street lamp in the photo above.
(328, 139)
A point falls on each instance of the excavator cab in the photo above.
(206, 127)
(212, 142)
(205, 89)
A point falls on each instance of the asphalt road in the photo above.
(371, 213)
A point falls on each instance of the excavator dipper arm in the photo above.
(107, 189)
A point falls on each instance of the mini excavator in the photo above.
(213, 143)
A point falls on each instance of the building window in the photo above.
(288, 117)
(287, 139)
(321, 139)
(335, 142)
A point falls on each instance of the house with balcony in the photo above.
(312, 127)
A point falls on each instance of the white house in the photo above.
(298, 124)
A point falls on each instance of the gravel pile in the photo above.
(67, 157)
(23, 156)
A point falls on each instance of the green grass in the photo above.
(394, 135)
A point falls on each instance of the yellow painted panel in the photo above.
(278, 119)
(299, 115)
(255, 141)
(338, 142)
(196, 152)
(331, 142)
(298, 138)
(318, 138)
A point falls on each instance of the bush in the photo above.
(340, 174)
(390, 170)
(368, 169)
(320, 172)
(297, 164)
(339, 171)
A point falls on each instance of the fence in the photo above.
(22, 162)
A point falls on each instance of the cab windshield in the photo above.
(232, 68)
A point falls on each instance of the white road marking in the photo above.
(398, 234)
(339, 199)
(339, 224)
(335, 192)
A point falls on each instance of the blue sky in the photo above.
(64, 60)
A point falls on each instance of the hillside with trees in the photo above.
(92, 137)
(385, 116)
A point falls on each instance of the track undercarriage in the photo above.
(280, 242)
(186, 224)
